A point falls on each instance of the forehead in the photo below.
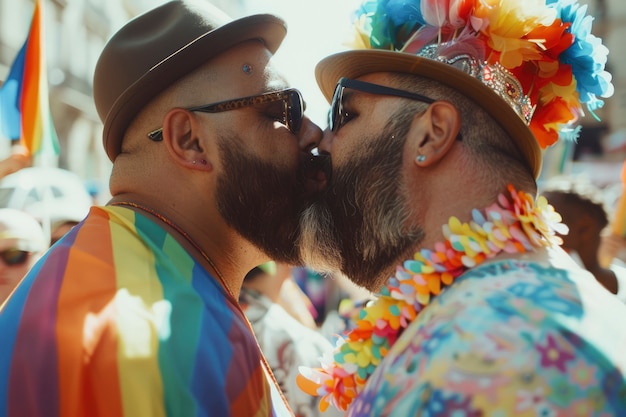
(246, 69)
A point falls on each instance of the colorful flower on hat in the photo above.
(552, 85)
(506, 24)
(587, 55)
(546, 44)
(515, 223)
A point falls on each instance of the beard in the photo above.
(359, 225)
(261, 201)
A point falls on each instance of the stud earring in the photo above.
(193, 162)
(203, 161)
(420, 158)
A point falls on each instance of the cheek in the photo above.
(345, 148)
(285, 155)
(363, 133)
(271, 140)
(16, 273)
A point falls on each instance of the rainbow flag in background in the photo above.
(24, 106)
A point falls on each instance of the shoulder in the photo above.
(486, 344)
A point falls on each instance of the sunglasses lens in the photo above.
(14, 256)
(335, 110)
(295, 111)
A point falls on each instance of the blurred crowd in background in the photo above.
(296, 313)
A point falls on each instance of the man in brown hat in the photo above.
(134, 312)
(435, 145)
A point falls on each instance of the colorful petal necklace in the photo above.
(510, 225)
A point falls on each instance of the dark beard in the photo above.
(359, 223)
(261, 202)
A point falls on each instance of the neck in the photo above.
(441, 188)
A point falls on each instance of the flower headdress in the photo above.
(543, 47)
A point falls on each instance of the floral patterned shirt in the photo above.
(533, 335)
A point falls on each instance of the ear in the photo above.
(182, 136)
(434, 132)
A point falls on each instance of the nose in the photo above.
(326, 143)
(309, 135)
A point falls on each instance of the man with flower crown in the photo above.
(435, 140)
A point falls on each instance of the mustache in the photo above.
(321, 162)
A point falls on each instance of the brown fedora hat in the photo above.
(157, 48)
(354, 64)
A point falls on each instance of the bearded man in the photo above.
(435, 148)
(134, 312)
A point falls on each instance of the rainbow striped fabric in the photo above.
(118, 320)
(24, 106)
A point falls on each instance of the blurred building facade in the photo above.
(76, 31)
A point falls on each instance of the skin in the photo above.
(10, 275)
(428, 192)
(61, 231)
(584, 237)
(164, 177)
(14, 163)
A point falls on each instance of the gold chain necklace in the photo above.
(222, 279)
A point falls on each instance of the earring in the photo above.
(203, 161)
(420, 158)
(193, 162)
(247, 69)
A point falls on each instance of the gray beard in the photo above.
(360, 225)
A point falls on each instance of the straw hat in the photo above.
(531, 65)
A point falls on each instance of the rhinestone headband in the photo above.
(494, 76)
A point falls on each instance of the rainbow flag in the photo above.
(24, 106)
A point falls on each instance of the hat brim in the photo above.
(357, 63)
(270, 29)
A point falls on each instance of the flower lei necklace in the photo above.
(514, 225)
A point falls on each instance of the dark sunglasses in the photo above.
(337, 115)
(292, 109)
(14, 257)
